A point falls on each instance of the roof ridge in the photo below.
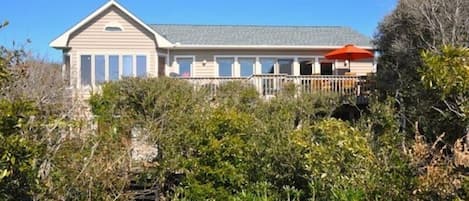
(251, 25)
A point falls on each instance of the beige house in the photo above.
(112, 43)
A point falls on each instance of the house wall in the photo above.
(93, 39)
(360, 67)
(209, 69)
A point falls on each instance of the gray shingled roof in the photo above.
(261, 35)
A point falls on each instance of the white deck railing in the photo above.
(270, 84)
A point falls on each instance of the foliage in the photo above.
(447, 74)
(424, 67)
(245, 148)
(238, 94)
(394, 176)
(339, 160)
(18, 154)
(415, 26)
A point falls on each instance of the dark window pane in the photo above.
(128, 66)
(185, 66)
(246, 67)
(306, 67)
(85, 69)
(161, 66)
(326, 68)
(341, 71)
(267, 66)
(66, 72)
(99, 69)
(113, 29)
(285, 66)
(225, 67)
(141, 66)
(113, 67)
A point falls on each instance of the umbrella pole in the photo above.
(349, 62)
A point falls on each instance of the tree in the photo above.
(413, 27)
(18, 153)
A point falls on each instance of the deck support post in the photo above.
(296, 67)
(236, 68)
(317, 66)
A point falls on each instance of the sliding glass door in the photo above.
(285, 66)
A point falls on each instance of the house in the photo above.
(112, 43)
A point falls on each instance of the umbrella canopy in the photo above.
(349, 52)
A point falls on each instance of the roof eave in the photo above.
(297, 47)
(60, 42)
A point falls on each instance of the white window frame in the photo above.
(108, 71)
(254, 59)
(258, 66)
(106, 55)
(275, 64)
(146, 62)
(79, 85)
(106, 68)
(176, 57)
(234, 72)
(134, 63)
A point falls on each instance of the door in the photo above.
(306, 67)
(161, 66)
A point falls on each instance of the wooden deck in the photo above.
(271, 85)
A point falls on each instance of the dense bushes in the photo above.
(18, 153)
(238, 146)
(233, 146)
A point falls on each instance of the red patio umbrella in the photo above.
(349, 52)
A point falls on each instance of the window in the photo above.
(225, 67)
(113, 67)
(66, 69)
(185, 66)
(85, 69)
(246, 67)
(99, 69)
(268, 66)
(113, 29)
(141, 66)
(127, 66)
(326, 68)
(306, 67)
(285, 66)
